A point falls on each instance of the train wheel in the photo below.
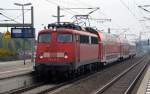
(104, 64)
(81, 70)
(121, 59)
(87, 68)
(97, 66)
(39, 71)
(72, 74)
(40, 75)
(66, 76)
(77, 73)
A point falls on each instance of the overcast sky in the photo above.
(124, 13)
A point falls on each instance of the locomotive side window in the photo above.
(84, 39)
(94, 40)
(64, 38)
(44, 38)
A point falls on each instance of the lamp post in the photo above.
(22, 5)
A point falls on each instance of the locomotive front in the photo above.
(55, 51)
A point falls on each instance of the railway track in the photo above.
(99, 79)
(16, 85)
(124, 82)
(23, 89)
(51, 89)
(43, 88)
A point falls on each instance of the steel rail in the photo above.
(130, 88)
(26, 89)
(101, 90)
(71, 81)
(34, 86)
(68, 82)
(23, 89)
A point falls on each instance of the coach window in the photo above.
(84, 39)
(64, 38)
(44, 38)
(94, 40)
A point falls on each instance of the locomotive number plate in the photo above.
(46, 54)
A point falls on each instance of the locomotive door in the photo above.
(101, 51)
(77, 49)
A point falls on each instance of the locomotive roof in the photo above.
(70, 28)
(73, 26)
(66, 25)
(64, 30)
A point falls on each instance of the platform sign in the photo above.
(16, 32)
(22, 32)
(28, 32)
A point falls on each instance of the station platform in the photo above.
(15, 68)
(144, 87)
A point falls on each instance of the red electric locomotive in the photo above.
(65, 47)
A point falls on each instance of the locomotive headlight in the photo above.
(65, 56)
(41, 57)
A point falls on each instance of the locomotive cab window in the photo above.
(84, 39)
(94, 40)
(64, 38)
(44, 38)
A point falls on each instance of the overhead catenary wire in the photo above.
(74, 8)
(84, 3)
(126, 6)
(20, 15)
(14, 18)
(62, 7)
(71, 9)
(141, 13)
(71, 12)
(140, 21)
(9, 17)
(89, 5)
